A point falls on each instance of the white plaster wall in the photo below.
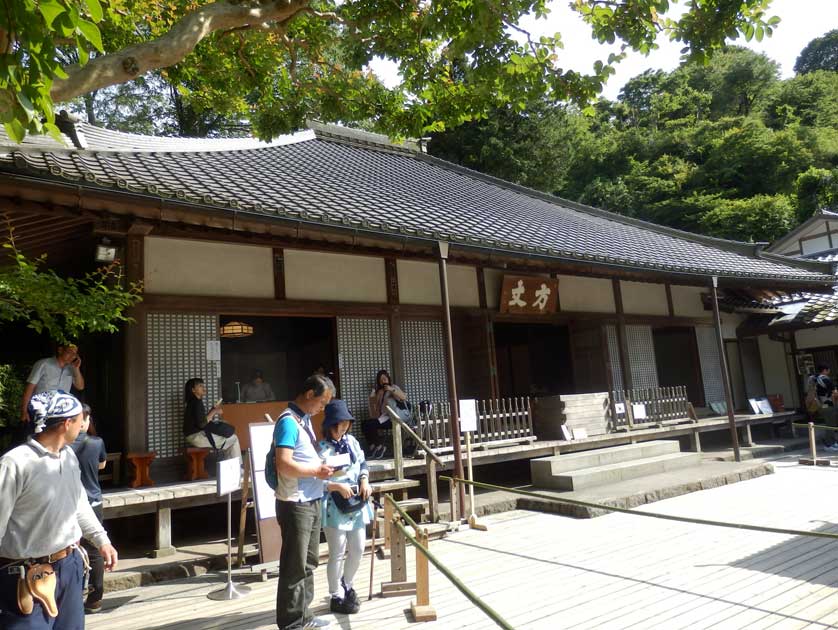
(686, 302)
(775, 370)
(817, 337)
(644, 298)
(334, 277)
(815, 245)
(730, 322)
(419, 284)
(187, 267)
(591, 295)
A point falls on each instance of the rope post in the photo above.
(452, 492)
(421, 608)
(388, 524)
(813, 460)
(812, 447)
(398, 584)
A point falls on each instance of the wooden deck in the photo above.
(549, 572)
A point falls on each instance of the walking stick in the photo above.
(372, 555)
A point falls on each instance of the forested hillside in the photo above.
(727, 149)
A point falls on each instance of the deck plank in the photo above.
(545, 571)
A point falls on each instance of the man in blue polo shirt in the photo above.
(300, 483)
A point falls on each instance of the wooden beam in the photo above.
(279, 273)
(669, 303)
(622, 340)
(391, 274)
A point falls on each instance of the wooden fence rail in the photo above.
(506, 420)
(650, 406)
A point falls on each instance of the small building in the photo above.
(326, 245)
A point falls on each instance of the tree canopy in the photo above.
(820, 54)
(276, 62)
(726, 149)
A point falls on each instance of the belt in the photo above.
(53, 557)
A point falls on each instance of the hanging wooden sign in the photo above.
(529, 295)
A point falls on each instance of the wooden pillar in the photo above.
(452, 380)
(394, 319)
(279, 273)
(798, 378)
(135, 433)
(670, 305)
(622, 340)
(734, 436)
(163, 538)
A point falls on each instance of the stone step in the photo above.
(545, 467)
(622, 471)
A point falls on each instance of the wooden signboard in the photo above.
(529, 295)
(267, 528)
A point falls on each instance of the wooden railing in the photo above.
(651, 406)
(507, 420)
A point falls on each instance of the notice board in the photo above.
(267, 529)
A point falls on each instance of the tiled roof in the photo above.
(348, 179)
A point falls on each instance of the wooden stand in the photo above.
(195, 468)
(141, 463)
(398, 584)
(421, 608)
(246, 502)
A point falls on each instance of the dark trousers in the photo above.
(69, 573)
(371, 428)
(97, 565)
(298, 558)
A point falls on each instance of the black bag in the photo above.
(348, 506)
(221, 429)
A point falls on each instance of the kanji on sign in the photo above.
(516, 295)
(541, 297)
(529, 295)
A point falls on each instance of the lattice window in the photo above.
(641, 351)
(177, 351)
(364, 347)
(711, 369)
(423, 350)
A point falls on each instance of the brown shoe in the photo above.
(91, 608)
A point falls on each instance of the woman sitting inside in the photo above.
(346, 509)
(200, 429)
(384, 394)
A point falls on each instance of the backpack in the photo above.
(270, 458)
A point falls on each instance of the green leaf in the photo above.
(16, 130)
(50, 9)
(27, 105)
(95, 9)
(91, 33)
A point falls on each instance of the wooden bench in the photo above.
(195, 457)
(142, 463)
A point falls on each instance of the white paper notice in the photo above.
(468, 415)
(213, 350)
(229, 477)
(338, 461)
(639, 411)
(580, 433)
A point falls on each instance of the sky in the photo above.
(801, 21)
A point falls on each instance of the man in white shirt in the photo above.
(60, 372)
(44, 512)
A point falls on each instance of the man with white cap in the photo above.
(44, 512)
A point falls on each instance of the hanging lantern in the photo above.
(235, 330)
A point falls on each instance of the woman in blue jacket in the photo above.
(346, 508)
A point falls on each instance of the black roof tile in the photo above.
(343, 177)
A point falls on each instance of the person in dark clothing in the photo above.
(199, 428)
(92, 455)
(825, 390)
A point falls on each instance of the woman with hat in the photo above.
(346, 509)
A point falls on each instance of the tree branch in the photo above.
(171, 48)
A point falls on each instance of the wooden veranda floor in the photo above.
(549, 572)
